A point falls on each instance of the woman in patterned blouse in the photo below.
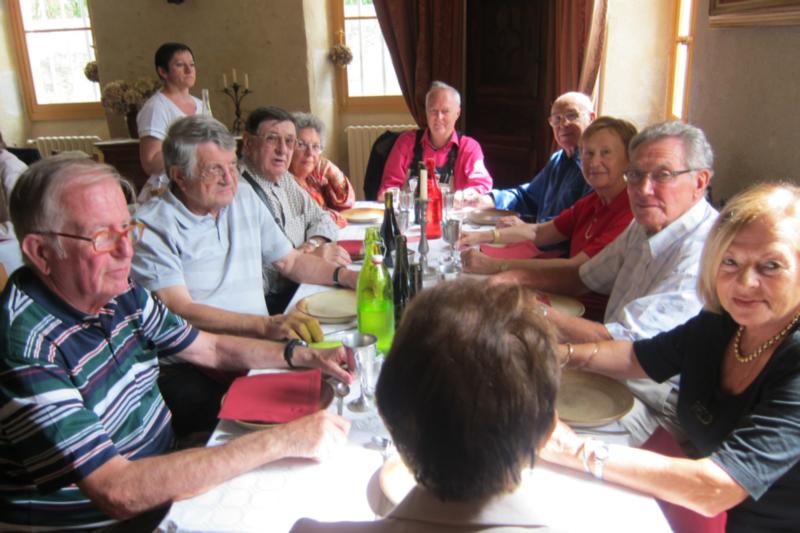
(323, 180)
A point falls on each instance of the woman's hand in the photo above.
(477, 262)
(472, 198)
(474, 237)
(563, 447)
(507, 222)
(331, 172)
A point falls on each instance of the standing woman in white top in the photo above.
(175, 66)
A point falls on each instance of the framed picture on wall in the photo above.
(731, 13)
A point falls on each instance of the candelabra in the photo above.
(237, 93)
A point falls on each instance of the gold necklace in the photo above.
(746, 358)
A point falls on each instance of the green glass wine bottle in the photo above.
(374, 300)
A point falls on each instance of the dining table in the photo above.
(349, 485)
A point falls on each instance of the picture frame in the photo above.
(737, 13)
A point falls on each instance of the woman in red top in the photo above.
(323, 180)
(594, 221)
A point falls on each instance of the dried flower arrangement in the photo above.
(123, 97)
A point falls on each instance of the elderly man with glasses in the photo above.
(86, 434)
(208, 240)
(650, 271)
(269, 141)
(560, 183)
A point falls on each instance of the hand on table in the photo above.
(476, 262)
(563, 447)
(334, 253)
(329, 360)
(468, 238)
(519, 277)
(507, 222)
(314, 436)
(293, 325)
(472, 198)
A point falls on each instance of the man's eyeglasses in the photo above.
(105, 240)
(564, 118)
(661, 175)
(315, 148)
(274, 140)
(217, 172)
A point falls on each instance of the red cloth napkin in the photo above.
(354, 248)
(272, 397)
(519, 250)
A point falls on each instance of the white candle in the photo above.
(423, 184)
(234, 75)
(224, 80)
(246, 81)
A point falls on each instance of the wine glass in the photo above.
(451, 232)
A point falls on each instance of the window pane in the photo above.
(679, 86)
(57, 61)
(371, 72)
(40, 15)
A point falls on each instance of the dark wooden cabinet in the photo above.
(123, 154)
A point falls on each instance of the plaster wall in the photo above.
(744, 91)
(266, 40)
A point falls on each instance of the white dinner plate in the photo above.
(566, 304)
(330, 307)
(396, 481)
(586, 399)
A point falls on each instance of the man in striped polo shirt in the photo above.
(84, 432)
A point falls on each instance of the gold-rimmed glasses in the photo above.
(105, 240)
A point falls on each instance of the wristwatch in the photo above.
(288, 350)
(600, 456)
(336, 276)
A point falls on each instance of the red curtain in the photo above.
(425, 39)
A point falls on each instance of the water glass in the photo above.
(406, 200)
(362, 349)
(448, 200)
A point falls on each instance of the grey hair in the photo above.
(439, 86)
(186, 134)
(579, 98)
(36, 202)
(696, 148)
(307, 120)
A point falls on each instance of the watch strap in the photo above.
(288, 350)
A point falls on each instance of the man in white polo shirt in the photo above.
(650, 271)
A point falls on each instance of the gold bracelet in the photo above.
(591, 355)
(495, 236)
(570, 351)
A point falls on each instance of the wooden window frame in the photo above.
(37, 111)
(366, 104)
(688, 41)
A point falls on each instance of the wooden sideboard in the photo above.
(123, 154)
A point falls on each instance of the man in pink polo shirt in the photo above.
(458, 156)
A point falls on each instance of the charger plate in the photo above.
(586, 399)
(363, 215)
(395, 480)
(330, 307)
(326, 395)
(489, 216)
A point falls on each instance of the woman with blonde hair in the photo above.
(739, 367)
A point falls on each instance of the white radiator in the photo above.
(53, 145)
(359, 144)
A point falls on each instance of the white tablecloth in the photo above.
(273, 497)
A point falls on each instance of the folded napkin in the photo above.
(354, 248)
(519, 250)
(274, 398)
